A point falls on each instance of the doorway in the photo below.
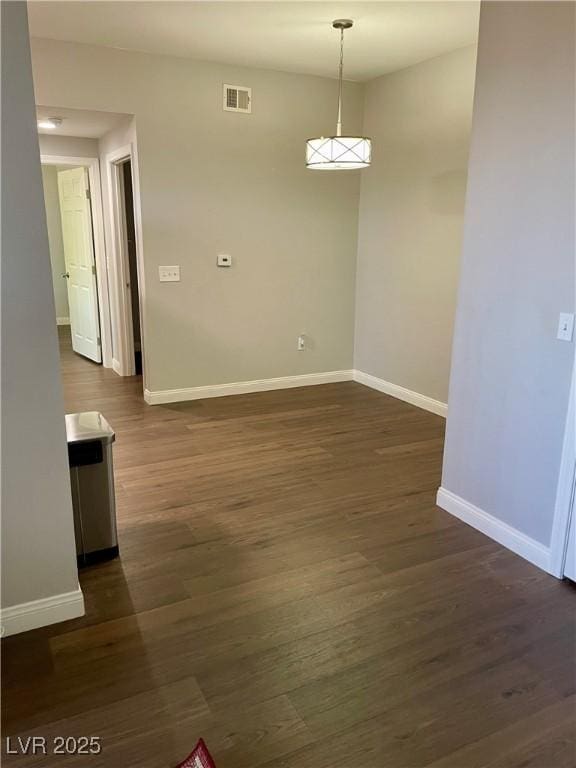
(75, 233)
(127, 212)
(116, 263)
(125, 263)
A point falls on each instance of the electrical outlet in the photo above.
(301, 343)
(169, 274)
(565, 326)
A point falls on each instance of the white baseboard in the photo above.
(414, 398)
(504, 534)
(62, 321)
(164, 396)
(159, 397)
(40, 613)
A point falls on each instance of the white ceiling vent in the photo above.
(237, 98)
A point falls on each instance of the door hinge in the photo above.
(99, 341)
(93, 269)
(88, 195)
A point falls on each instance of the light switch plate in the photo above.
(224, 260)
(169, 274)
(565, 326)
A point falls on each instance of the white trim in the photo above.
(40, 613)
(401, 393)
(511, 538)
(62, 321)
(124, 363)
(102, 277)
(243, 387)
(564, 506)
(119, 268)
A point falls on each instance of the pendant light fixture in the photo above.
(339, 153)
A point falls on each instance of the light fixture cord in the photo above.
(339, 121)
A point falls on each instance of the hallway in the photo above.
(288, 590)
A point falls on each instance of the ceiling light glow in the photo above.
(50, 123)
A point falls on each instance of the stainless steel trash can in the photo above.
(90, 439)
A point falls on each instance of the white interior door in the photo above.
(76, 216)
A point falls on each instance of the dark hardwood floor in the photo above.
(289, 591)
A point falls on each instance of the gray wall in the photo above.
(54, 224)
(67, 146)
(38, 552)
(215, 182)
(411, 218)
(510, 376)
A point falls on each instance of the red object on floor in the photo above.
(198, 758)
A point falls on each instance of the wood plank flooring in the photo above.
(288, 590)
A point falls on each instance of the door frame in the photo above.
(564, 507)
(119, 270)
(92, 164)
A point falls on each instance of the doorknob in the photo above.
(66, 275)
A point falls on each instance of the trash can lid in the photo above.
(90, 425)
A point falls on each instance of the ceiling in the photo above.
(83, 123)
(287, 36)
